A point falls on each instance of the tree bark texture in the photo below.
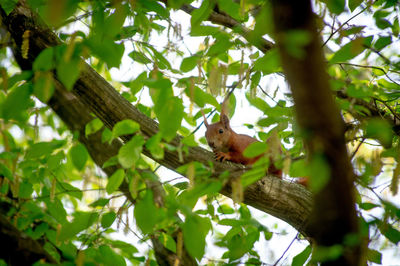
(286, 201)
(333, 217)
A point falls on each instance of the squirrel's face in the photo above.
(218, 135)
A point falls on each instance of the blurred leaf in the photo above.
(255, 149)
(130, 152)
(374, 256)
(108, 219)
(82, 221)
(391, 233)
(100, 203)
(8, 5)
(125, 127)
(320, 173)
(25, 190)
(17, 103)
(379, 129)
(68, 72)
(40, 149)
(335, 6)
(106, 50)
(195, 230)
(269, 63)
(93, 126)
(108, 257)
(351, 49)
(147, 215)
(168, 242)
(43, 86)
(301, 258)
(200, 97)
(115, 181)
(139, 57)
(367, 206)
(170, 117)
(353, 4)
(200, 14)
(79, 155)
(231, 8)
(44, 61)
(6, 172)
(188, 63)
(382, 42)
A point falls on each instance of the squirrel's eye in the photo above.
(221, 131)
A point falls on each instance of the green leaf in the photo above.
(115, 181)
(108, 257)
(108, 219)
(68, 71)
(82, 221)
(269, 63)
(100, 203)
(200, 97)
(195, 230)
(382, 42)
(367, 206)
(44, 61)
(189, 63)
(391, 233)
(381, 130)
(221, 45)
(146, 213)
(130, 152)
(6, 172)
(106, 50)
(374, 256)
(8, 5)
(79, 155)
(17, 103)
(335, 6)
(43, 86)
(170, 117)
(153, 144)
(255, 149)
(320, 173)
(25, 190)
(351, 49)
(125, 127)
(40, 149)
(139, 57)
(231, 8)
(200, 14)
(301, 258)
(93, 126)
(168, 242)
(353, 4)
(253, 175)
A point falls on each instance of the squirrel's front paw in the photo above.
(221, 156)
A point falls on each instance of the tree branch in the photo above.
(286, 201)
(322, 128)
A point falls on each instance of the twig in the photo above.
(276, 263)
(341, 26)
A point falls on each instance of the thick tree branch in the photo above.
(18, 248)
(322, 128)
(289, 202)
(227, 21)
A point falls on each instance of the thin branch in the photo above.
(286, 250)
(345, 23)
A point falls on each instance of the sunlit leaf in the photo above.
(195, 230)
(115, 181)
(79, 155)
(82, 221)
(125, 127)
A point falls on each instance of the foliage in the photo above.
(169, 71)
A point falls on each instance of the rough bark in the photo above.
(18, 248)
(286, 201)
(333, 217)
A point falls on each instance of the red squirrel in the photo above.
(228, 145)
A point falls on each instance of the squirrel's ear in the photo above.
(204, 117)
(225, 121)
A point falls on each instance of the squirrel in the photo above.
(229, 145)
